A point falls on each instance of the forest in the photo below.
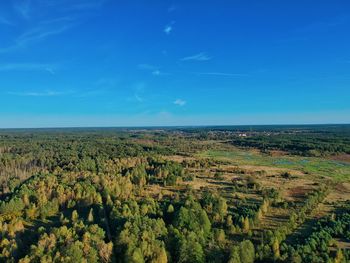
(208, 194)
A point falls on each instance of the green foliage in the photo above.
(99, 196)
(14, 207)
(306, 143)
(317, 246)
(141, 237)
(247, 251)
(244, 252)
(192, 217)
(73, 244)
(191, 251)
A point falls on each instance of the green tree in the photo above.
(246, 225)
(170, 209)
(191, 251)
(276, 248)
(90, 218)
(136, 257)
(235, 255)
(247, 251)
(75, 216)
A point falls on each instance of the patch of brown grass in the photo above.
(341, 157)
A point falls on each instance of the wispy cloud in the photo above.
(50, 70)
(138, 97)
(102, 86)
(5, 21)
(62, 19)
(172, 8)
(34, 35)
(147, 67)
(107, 82)
(22, 7)
(40, 33)
(303, 33)
(169, 28)
(28, 67)
(138, 92)
(222, 74)
(180, 102)
(154, 70)
(40, 26)
(321, 26)
(197, 57)
(86, 5)
(71, 6)
(157, 72)
(37, 94)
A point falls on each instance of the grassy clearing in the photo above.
(337, 170)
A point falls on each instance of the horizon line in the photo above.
(169, 126)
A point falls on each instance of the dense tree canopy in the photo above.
(149, 196)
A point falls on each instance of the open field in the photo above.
(338, 170)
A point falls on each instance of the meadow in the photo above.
(316, 166)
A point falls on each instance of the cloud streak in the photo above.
(139, 90)
(40, 27)
(197, 57)
(147, 67)
(27, 67)
(222, 74)
(40, 33)
(37, 94)
(155, 71)
(172, 8)
(87, 5)
(34, 35)
(5, 21)
(180, 102)
(321, 26)
(23, 8)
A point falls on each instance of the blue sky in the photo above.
(137, 63)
